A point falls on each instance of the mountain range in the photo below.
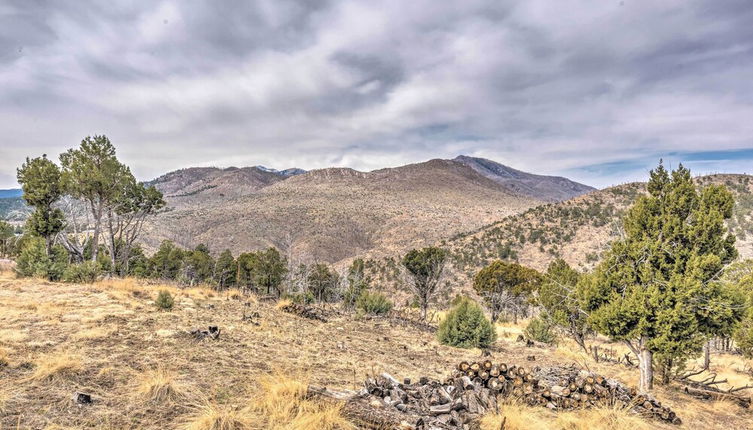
(334, 214)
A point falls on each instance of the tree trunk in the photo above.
(645, 364)
(49, 240)
(707, 354)
(97, 229)
(580, 340)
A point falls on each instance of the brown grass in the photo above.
(160, 386)
(56, 366)
(228, 387)
(4, 357)
(282, 303)
(284, 406)
(518, 416)
(212, 416)
(92, 333)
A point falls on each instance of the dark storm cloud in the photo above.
(595, 90)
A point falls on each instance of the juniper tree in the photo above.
(126, 214)
(93, 174)
(656, 288)
(505, 285)
(425, 267)
(225, 270)
(269, 270)
(41, 184)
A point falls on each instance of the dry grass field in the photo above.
(144, 371)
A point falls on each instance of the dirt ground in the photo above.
(105, 339)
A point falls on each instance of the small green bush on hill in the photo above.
(466, 326)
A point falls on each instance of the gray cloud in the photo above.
(594, 90)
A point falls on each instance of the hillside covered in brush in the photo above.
(578, 230)
(335, 214)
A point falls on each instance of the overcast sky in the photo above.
(594, 90)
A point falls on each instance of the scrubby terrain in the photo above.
(579, 229)
(143, 369)
(335, 214)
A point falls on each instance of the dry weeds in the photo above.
(160, 386)
(212, 416)
(116, 346)
(56, 366)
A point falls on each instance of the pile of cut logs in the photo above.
(304, 311)
(475, 389)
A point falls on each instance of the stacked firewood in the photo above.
(475, 388)
(304, 311)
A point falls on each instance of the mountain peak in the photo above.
(287, 172)
(546, 188)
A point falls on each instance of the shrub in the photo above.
(540, 331)
(373, 303)
(86, 272)
(466, 327)
(34, 261)
(165, 300)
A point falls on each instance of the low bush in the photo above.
(165, 300)
(33, 260)
(540, 331)
(83, 273)
(466, 326)
(373, 303)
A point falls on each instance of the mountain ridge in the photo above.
(543, 187)
(334, 214)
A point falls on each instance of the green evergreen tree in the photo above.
(656, 288)
(35, 261)
(358, 282)
(225, 270)
(93, 174)
(425, 267)
(740, 277)
(322, 282)
(41, 184)
(198, 265)
(167, 261)
(465, 326)
(269, 271)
